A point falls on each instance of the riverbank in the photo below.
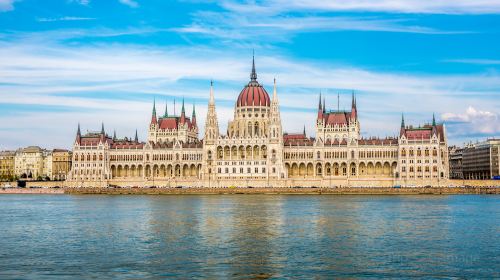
(220, 191)
(31, 191)
(339, 191)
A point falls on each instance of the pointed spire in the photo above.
(353, 103)
(154, 107)
(193, 117)
(136, 139)
(78, 134)
(211, 100)
(304, 132)
(402, 120)
(338, 102)
(433, 120)
(114, 135)
(102, 128)
(253, 75)
(275, 94)
(166, 109)
(183, 111)
(153, 115)
(320, 108)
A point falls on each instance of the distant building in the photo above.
(456, 158)
(7, 164)
(61, 164)
(481, 160)
(33, 163)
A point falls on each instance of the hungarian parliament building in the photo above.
(256, 153)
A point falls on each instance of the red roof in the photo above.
(173, 122)
(253, 94)
(424, 132)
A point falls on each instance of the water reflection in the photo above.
(249, 236)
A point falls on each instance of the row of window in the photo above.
(241, 170)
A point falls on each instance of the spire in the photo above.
(78, 134)
(136, 139)
(183, 111)
(193, 116)
(433, 120)
(319, 106)
(402, 121)
(275, 94)
(211, 100)
(304, 132)
(166, 109)
(353, 102)
(102, 128)
(114, 135)
(153, 115)
(338, 102)
(253, 75)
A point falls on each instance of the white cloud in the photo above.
(475, 121)
(479, 61)
(66, 18)
(387, 6)
(6, 5)
(130, 3)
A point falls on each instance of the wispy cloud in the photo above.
(130, 3)
(66, 18)
(386, 6)
(117, 77)
(475, 61)
(6, 5)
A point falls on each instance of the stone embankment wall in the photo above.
(30, 191)
(368, 190)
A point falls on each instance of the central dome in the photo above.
(254, 93)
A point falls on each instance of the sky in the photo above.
(64, 62)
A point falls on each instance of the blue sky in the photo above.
(65, 62)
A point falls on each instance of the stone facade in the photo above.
(7, 165)
(61, 164)
(481, 160)
(255, 152)
(33, 163)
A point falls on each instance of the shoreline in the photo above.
(261, 191)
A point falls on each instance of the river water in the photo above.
(249, 236)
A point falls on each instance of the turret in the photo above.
(211, 123)
(193, 117)
(354, 110)
(402, 130)
(103, 133)
(320, 108)
(183, 113)
(78, 134)
(154, 120)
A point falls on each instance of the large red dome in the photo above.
(254, 93)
